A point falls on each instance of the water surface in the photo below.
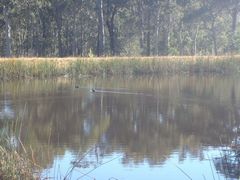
(130, 128)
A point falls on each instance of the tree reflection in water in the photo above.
(229, 163)
(183, 115)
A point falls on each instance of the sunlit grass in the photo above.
(19, 68)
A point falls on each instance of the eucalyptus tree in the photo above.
(118, 27)
(6, 8)
(234, 9)
(80, 28)
(58, 7)
(45, 18)
(112, 8)
(101, 30)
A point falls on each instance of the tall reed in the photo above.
(20, 68)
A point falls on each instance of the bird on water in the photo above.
(93, 90)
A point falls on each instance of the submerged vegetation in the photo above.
(20, 68)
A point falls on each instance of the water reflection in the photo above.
(228, 164)
(156, 120)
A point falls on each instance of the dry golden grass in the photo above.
(14, 166)
(23, 67)
(66, 60)
(124, 57)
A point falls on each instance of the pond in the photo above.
(171, 127)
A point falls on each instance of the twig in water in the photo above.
(72, 168)
(211, 166)
(86, 175)
(98, 167)
(204, 177)
(181, 170)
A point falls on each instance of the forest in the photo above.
(49, 28)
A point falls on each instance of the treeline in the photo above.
(119, 27)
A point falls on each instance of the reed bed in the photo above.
(20, 68)
(15, 166)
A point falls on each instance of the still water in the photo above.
(131, 128)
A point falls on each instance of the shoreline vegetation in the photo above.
(15, 162)
(31, 67)
(14, 165)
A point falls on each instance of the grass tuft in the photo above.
(14, 166)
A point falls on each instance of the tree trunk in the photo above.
(215, 43)
(57, 12)
(166, 30)
(112, 38)
(234, 19)
(111, 30)
(214, 38)
(101, 32)
(158, 33)
(80, 46)
(141, 15)
(148, 43)
(75, 39)
(142, 34)
(233, 28)
(195, 41)
(7, 44)
(148, 32)
(43, 45)
(165, 41)
(180, 39)
(59, 37)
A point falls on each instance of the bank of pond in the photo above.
(22, 68)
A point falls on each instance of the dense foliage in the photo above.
(118, 27)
